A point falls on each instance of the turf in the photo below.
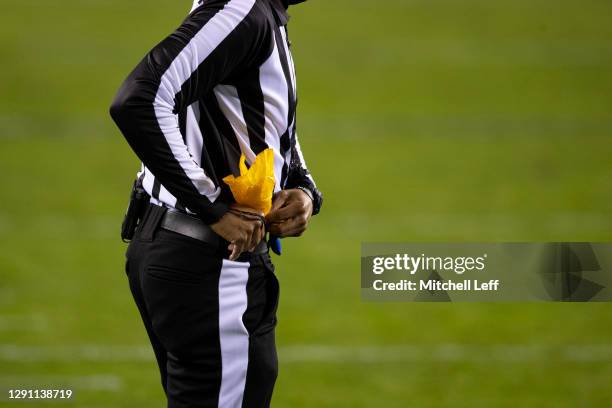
(440, 120)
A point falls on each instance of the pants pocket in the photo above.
(183, 307)
(270, 320)
(174, 275)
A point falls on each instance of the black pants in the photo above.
(211, 321)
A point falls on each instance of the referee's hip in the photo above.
(211, 321)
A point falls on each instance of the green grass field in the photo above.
(445, 120)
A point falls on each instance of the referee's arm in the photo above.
(299, 177)
(201, 53)
(300, 200)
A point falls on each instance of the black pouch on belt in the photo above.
(135, 210)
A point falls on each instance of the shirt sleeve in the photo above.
(216, 41)
(299, 176)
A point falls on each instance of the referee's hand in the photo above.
(243, 232)
(290, 213)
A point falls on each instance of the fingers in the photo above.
(251, 234)
(288, 229)
(259, 236)
(292, 227)
(240, 246)
(275, 229)
(256, 235)
(234, 251)
(290, 210)
(280, 200)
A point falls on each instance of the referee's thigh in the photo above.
(213, 318)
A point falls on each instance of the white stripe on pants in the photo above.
(234, 337)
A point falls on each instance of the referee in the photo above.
(223, 84)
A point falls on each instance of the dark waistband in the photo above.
(193, 227)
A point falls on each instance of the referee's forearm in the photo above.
(134, 115)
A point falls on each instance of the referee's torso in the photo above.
(225, 86)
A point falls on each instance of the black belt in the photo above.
(190, 226)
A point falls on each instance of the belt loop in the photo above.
(151, 221)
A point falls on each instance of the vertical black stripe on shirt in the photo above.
(156, 188)
(285, 140)
(285, 145)
(284, 173)
(253, 109)
(182, 121)
(287, 72)
(295, 158)
(220, 144)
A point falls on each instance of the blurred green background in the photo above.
(422, 120)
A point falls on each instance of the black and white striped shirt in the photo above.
(222, 84)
